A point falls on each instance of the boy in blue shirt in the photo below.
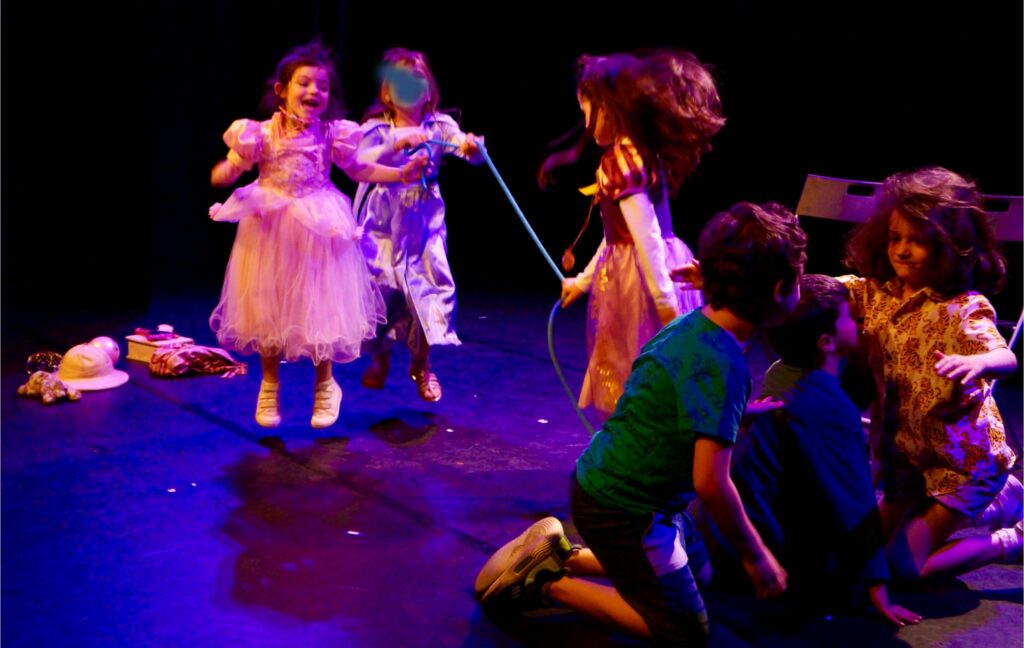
(803, 472)
(668, 441)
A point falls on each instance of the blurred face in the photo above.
(307, 92)
(908, 251)
(406, 88)
(597, 122)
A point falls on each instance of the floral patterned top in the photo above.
(923, 426)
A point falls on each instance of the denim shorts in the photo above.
(622, 542)
(969, 500)
(972, 499)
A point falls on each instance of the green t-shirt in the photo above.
(691, 379)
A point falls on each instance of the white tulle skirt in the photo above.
(296, 284)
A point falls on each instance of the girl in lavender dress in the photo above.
(296, 285)
(655, 116)
(404, 241)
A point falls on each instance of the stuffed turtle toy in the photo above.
(48, 387)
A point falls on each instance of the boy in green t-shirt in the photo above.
(669, 441)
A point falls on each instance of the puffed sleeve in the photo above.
(345, 137)
(245, 139)
(375, 141)
(622, 172)
(978, 333)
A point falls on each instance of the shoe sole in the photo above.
(319, 425)
(268, 424)
(542, 539)
(549, 528)
(509, 584)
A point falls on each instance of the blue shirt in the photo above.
(805, 481)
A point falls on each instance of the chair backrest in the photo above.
(855, 200)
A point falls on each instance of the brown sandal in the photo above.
(377, 373)
(427, 384)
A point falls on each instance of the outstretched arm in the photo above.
(718, 494)
(471, 149)
(982, 350)
(373, 172)
(225, 173)
(998, 363)
(357, 154)
(396, 144)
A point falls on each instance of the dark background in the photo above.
(112, 119)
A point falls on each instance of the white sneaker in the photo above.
(326, 404)
(267, 413)
(515, 567)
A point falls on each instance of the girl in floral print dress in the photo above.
(937, 436)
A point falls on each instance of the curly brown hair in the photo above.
(963, 249)
(745, 252)
(314, 54)
(665, 101)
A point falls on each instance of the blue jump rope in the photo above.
(424, 179)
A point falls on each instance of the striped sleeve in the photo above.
(622, 172)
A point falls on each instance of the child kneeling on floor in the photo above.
(669, 440)
(803, 472)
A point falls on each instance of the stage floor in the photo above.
(159, 513)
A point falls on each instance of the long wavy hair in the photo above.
(314, 54)
(665, 101)
(964, 253)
